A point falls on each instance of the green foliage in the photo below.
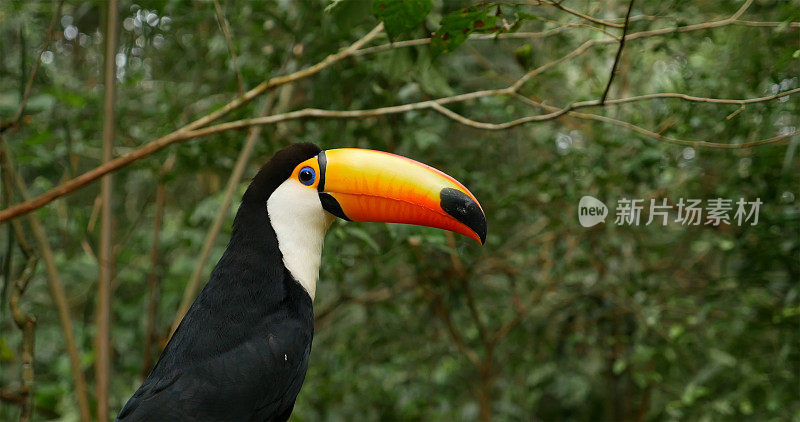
(456, 27)
(620, 323)
(399, 16)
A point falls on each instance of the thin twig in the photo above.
(179, 134)
(13, 122)
(425, 41)
(155, 273)
(190, 291)
(738, 110)
(705, 25)
(461, 272)
(582, 25)
(536, 296)
(27, 324)
(437, 105)
(566, 27)
(619, 54)
(106, 248)
(558, 5)
(438, 306)
(57, 291)
(375, 295)
(12, 397)
(223, 24)
(659, 137)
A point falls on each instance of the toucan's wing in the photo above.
(258, 378)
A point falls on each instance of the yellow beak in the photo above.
(366, 185)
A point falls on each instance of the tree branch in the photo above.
(179, 135)
(375, 295)
(27, 324)
(555, 112)
(619, 53)
(558, 5)
(190, 130)
(12, 397)
(223, 24)
(458, 267)
(439, 309)
(426, 41)
(57, 291)
(660, 137)
(155, 273)
(437, 105)
(190, 291)
(14, 121)
(106, 248)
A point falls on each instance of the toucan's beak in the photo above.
(365, 185)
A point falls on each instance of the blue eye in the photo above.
(307, 176)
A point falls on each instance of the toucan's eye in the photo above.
(307, 176)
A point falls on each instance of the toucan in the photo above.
(241, 351)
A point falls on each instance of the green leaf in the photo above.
(6, 354)
(457, 26)
(399, 16)
(528, 16)
(524, 56)
(619, 366)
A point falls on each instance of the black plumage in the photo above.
(241, 352)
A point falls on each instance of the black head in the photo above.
(277, 170)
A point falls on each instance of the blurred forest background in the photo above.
(548, 321)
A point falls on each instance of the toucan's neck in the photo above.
(252, 261)
(300, 223)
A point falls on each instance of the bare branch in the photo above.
(375, 295)
(541, 69)
(179, 135)
(193, 285)
(558, 5)
(425, 41)
(437, 105)
(766, 24)
(223, 24)
(695, 27)
(619, 53)
(190, 130)
(106, 248)
(13, 122)
(568, 26)
(27, 324)
(57, 291)
(12, 397)
(154, 275)
(741, 10)
(660, 137)
(441, 312)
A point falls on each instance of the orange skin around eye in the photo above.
(374, 186)
(314, 164)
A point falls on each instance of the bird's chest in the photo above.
(287, 343)
(280, 350)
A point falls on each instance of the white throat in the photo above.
(300, 223)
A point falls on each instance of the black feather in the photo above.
(241, 352)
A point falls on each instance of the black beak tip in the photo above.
(461, 207)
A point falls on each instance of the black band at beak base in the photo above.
(330, 204)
